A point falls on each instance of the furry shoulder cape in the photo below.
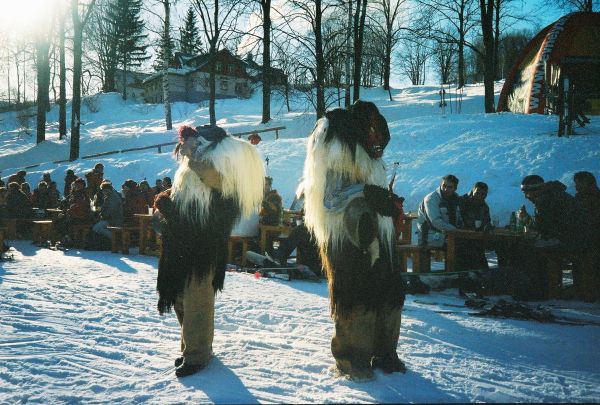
(199, 219)
(356, 277)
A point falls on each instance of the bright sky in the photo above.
(22, 17)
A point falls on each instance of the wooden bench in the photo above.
(421, 257)
(43, 230)
(79, 233)
(11, 228)
(121, 234)
(233, 240)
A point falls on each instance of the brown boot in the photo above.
(388, 333)
(352, 343)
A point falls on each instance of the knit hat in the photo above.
(129, 183)
(79, 180)
(106, 184)
(532, 182)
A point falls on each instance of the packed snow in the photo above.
(82, 326)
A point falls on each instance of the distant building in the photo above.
(189, 79)
(135, 86)
(255, 71)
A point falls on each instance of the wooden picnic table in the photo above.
(495, 235)
(144, 220)
(277, 230)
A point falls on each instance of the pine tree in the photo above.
(189, 39)
(128, 33)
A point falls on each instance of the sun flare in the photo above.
(27, 16)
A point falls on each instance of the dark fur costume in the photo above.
(350, 210)
(189, 248)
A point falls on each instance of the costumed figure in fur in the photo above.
(351, 212)
(219, 179)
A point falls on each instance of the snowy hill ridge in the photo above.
(499, 149)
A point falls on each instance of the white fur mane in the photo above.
(242, 174)
(337, 157)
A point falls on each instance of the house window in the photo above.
(231, 69)
(224, 85)
(218, 66)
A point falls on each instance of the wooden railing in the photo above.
(157, 146)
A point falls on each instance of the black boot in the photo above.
(186, 369)
(178, 361)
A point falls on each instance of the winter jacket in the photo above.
(68, 181)
(436, 215)
(472, 210)
(590, 201)
(112, 209)
(134, 203)
(272, 209)
(18, 204)
(79, 206)
(41, 199)
(559, 215)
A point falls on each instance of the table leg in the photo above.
(142, 237)
(450, 253)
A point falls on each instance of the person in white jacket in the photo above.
(438, 212)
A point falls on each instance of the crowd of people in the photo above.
(89, 199)
(564, 228)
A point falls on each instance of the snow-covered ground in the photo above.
(81, 326)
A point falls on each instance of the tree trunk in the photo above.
(497, 75)
(387, 61)
(487, 30)
(43, 79)
(76, 101)
(166, 56)
(359, 29)
(348, 55)
(62, 103)
(320, 61)
(266, 107)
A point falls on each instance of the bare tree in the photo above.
(218, 24)
(461, 16)
(166, 59)
(360, 15)
(413, 60)
(310, 13)
(444, 55)
(389, 29)
(62, 93)
(576, 5)
(42, 46)
(487, 31)
(80, 14)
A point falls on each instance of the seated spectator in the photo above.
(3, 208)
(19, 206)
(167, 184)
(99, 170)
(18, 177)
(40, 198)
(588, 195)
(271, 208)
(563, 229)
(307, 251)
(78, 210)
(111, 213)
(69, 178)
(54, 195)
(476, 216)
(133, 201)
(17, 203)
(3, 211)
(147, 193)
(158, 186)
(438, 212)
(46, 177)
(26, 189)
(93, 181)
